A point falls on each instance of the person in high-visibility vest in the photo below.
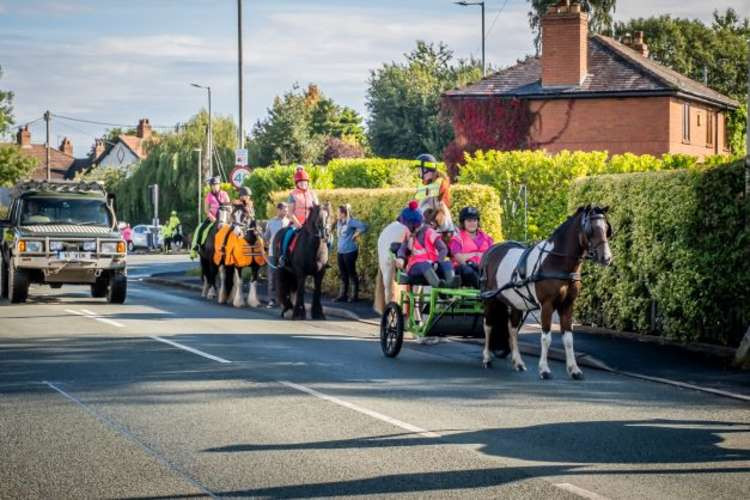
(434, 184)
(423, 253)
(468, 246)
(300, 202)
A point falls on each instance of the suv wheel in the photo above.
(118, 289)
(18, 285)
(99, 287)
(3, 279)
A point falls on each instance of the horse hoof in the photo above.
(486, 364)
(519, 368)
(545, 375)
(320, 316)
(577, 375)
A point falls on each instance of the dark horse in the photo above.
(209, 270)
(518, 279)
(309, 257)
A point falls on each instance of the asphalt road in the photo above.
(170, 396)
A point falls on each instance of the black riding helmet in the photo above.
(426, 162)
(214, 180)
(468, 213)
(244, 191)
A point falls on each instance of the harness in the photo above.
(521, 279)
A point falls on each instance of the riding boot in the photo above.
(432, 278)
(451, 280)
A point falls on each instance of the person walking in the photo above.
(273, 226)
(348, 230)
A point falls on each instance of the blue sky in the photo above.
(118, 61)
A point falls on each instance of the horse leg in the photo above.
(204, 277)
(317, 308)
(546, 340)
(283, 290)
(566, 326)
(252, 294)
(514, 326)
(222, 284)
(299, 301)
(236, 293)
(211, 282)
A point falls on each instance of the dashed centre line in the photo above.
(190, 349)
(577, 490)
(89, 314)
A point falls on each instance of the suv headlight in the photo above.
(113, 247)
(55, 246)
(30, 246)
(89, 246)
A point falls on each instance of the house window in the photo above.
(685, 122)
(710, 117)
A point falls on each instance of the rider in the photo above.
(434, 183)
(300, 202)
(170, 228)
(214, 199)
(468, 246)
(423, 251)
(243, 208)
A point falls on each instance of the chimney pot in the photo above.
(23, 137)
(66, 146)
(564, 45)
(144, 129)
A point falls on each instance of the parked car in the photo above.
(147, 237)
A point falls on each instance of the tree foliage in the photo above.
(600, 16)
(14, 165)
(298, 125)
(404, 101)
(6, 109)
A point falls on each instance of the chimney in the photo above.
(636, 43)
(144, 128)
(66, 146)
(23, 137)
(564, 45)
(98, 149)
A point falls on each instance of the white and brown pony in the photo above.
(242, 249)
(386, 288)
(517, 279)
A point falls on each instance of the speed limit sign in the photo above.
(238, 175)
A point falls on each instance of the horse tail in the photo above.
(379, 302)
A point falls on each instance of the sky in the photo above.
(117, 61)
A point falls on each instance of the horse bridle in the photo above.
(588, 232)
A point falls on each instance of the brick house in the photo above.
(590, 92)
(61, 159)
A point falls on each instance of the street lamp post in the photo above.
(200, 184)
(481, 4)
(210, 140)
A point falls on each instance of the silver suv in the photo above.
(62, 233)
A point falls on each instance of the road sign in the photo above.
(238, 175)
(240, 157)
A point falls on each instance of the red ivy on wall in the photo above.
(484, 124)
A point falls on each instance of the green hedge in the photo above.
(547, 179)
(681, 254)
(264, 181)
(379, 207)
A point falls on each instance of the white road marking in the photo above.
(360, 409)
(123, 431)
(572, 488)
(88, 314)
(190, 349)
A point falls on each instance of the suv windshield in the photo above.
(40, 210)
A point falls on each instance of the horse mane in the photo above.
(563, 228)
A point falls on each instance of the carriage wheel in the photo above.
(392, 330)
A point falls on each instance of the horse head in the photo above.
(225, 214)
(594, 234)
(319, 221)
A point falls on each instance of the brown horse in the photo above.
(518, 279)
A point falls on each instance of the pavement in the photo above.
(695, 366)
(171, 396)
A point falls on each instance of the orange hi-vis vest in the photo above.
(241, 254)
(426, 253)
(469, 245)
(303, 202)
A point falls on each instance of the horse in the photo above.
(395, 232)
(209, 270)
(517, 279)
(242, 248)
(308, 257)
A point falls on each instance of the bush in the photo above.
(379, 207)
(339, 148)
(373, 173)
(681, 249)
(264, 181)
(547, 179)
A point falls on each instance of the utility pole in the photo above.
(49, 170)
(210, 138)
(481, 4)
(200, 183)
(241, 138)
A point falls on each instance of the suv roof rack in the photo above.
(80, 187)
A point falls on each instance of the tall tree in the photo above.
(600, 16)
(14, 165)
(404, 100)
(6, 109)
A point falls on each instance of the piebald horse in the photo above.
(518, 279)
(240, 247)
(395, 232)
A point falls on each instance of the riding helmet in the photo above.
(301, 175)
(244, 191)
(468, 213)
(427, 162)
(214, 180)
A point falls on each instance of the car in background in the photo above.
(147, 237)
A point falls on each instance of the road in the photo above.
(171, 396)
